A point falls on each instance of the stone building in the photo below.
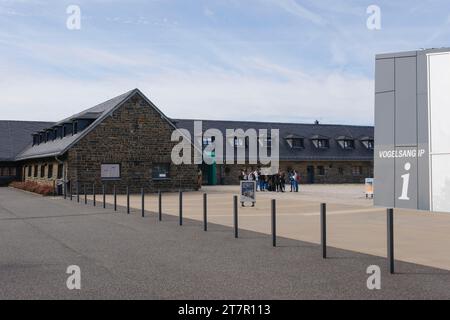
(126, 141)
(319, 153)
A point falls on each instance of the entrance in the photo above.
(310, 172)
(209, 173)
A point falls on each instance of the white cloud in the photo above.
(332, 98)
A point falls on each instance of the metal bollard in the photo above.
(235, 214)
(390, 240)
(128, 200)
(65, 189)
(205, 212)
(160, 205)
(104, 196)
(78, 192)
(70, 193)
(181, 208)
(94, 199)
(323, 229)
(115, 198)
(274, 222)
(85, 194)
(143, 202)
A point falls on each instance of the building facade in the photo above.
(124, 142)
(127, 142)
(322, 154)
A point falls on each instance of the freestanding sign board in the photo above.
(412, 130)
(248, 192)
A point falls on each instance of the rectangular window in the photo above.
(357, 171)
(341, 171)
(207, 141)
(75, 127)
(50, 171)
(29, 171)
(60, 171)
(12, 172)
(110, 171)
(348, 144)
(298, 144)
(161, 171)
(239, 142)
(43, 171)
(36, 168)
(321, 170)
(322, 144)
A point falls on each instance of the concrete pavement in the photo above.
(129, 257)
(353, 223)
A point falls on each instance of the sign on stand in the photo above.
(248, 192)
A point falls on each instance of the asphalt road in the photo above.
(129, 257)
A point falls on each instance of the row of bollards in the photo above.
(323, 218)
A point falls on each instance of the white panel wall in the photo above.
(439, 105)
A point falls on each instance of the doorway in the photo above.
(311, 173)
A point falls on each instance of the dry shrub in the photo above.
(43, 189)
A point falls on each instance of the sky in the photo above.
(257, 60)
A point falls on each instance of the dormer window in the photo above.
(368, 142)
(42, 137)
(57, 132)
(36, 139)
(265, 141)
(50, 135)
(75, 127)
(208, 141)
(239, 142)
(346, 143)
(320, 142)
(295, 142)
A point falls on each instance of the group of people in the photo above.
(273, 183)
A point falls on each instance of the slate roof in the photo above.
(97, 113)
(308, 132)
(16, 136)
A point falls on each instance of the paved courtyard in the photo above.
(128, 257)
(353, 223)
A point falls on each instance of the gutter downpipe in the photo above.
(64, 174)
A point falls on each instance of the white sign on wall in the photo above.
(110, 171)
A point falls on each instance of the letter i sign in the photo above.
(405, 186)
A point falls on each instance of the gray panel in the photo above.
(384, 75)
(384, 139)
(405, 102)
(423, 170)
(422, 74)
(385, 119)
(384, 183)
(406, 167)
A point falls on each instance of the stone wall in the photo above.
(40, 171)
(137, 138)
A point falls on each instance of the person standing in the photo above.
(199, 178)
(295, 178)
(283, 182)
